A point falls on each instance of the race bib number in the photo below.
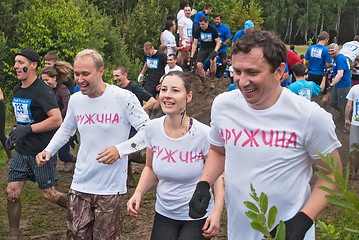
(189, 33)
(206, 37)
(152, 63)
(316, 52)
(22, 110)
(356, 108)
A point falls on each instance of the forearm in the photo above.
(194, 47)
(219, 194)
(317, 201)
(144, 69)
(147, 179)
(337, 78)
(348, 108)
(218, 44)
(61, 137)
(51, 123)
(149, 104)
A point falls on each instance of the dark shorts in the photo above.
(91, 216)
(223, 57)
(338, 98)
(203, 55)
(167, 228)
(151, 88)
(318, 80)
(24, 168)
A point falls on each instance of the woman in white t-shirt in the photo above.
(177, 146)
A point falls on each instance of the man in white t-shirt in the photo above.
(351, 51)
(185, 33)
(103, 114)
(169, 39)
(353, 126)
(172, 64)
(265, 135)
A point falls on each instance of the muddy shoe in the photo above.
(201, 88)
(211, 85)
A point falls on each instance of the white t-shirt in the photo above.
(350, 50)
(169, 40)
(353, 95)
(176, 68)
(272, 149)
(186, 23)
(178, 164)
(102, 122)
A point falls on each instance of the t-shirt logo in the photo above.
(206, 37)
(356, 108)
(22, 110)
(152, 63)
(304, 92)
(189, 33)
(316, 52)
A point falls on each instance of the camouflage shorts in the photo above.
(91, 216)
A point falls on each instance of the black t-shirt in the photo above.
(155, 67)
(207, 37)
(30, 106)
(141, 94)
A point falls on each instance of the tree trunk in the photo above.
(337, 25)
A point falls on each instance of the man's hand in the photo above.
(108, 155)
(42, 157)
(213, 55)
(296, 227)
(140, 77)
(223, 45)
(347, 124)
(200, 200)
(19, 133)
(191, 63)
(9, 144)
(73, 141)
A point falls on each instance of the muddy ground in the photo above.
(43, 220)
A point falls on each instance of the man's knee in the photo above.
(50, 194)
(13, 193)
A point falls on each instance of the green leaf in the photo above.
(251, 206)
(261, 219)
(337, 201)
(331, 191)
(251, 215)
(325, 178)
(256, 226)
(263, 202)
(280, 235)
(272, 214)
(253, 193)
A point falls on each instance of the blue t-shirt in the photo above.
(238, 34)
(305, 88)
(224, 33)
(286, 82)
(341, 63)
(198, 16)
(318, 56)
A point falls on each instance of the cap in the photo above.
(30, 54)
(248, 24)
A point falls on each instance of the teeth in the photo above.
(248, 91)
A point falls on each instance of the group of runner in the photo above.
(260, 134)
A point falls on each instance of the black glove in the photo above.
(296, 227)
(222, 45)
(9, 144)
(213, 55)
(200, 200)
(73, 141)
(20, 132)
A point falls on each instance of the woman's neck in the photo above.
(176, 126)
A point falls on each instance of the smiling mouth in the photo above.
(249, 91)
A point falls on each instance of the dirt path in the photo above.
(43, 220)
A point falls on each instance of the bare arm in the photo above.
(214, 165)
(218, 44)
(284, 77)
(144, 69)
(348, 108)
(338, 77)
(180, 32)
(149, 104)
(317, 201)
(53, 121)
(194, 47)
(329, 65)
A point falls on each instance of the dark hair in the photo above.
(60, 70)
(122, 68)
(162, 47)
(169, 24)
(147, 45)
(323, 35)
(174, 56)
(218, 15)
(171, 17)
(274, 50)
(203, 19)
(183, 3)
(51, 56)
(181, 75)
(207, 6)
(292, 47)
(299, 69)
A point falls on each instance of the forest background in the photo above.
(119, 28)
